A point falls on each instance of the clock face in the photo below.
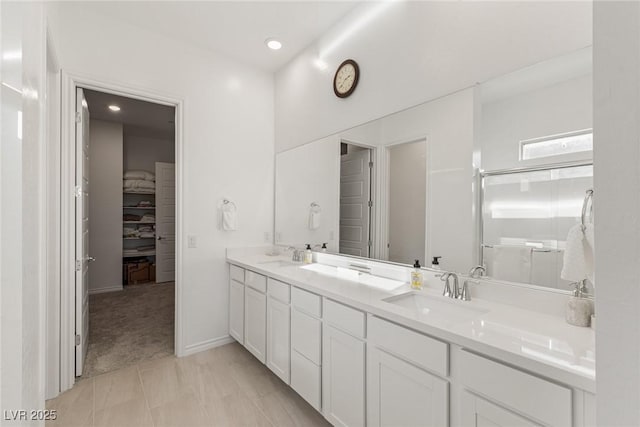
(346, 78)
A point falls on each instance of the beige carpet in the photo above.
(130, 326)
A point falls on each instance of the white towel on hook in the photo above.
(574, 264)
(589, 252)
(512, 263)
(229, 220)
(314, 220)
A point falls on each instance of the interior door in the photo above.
(165, 222)
(82, 230)
(355, 198)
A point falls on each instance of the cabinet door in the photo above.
(278, 338)
(477, 412)
(255, 323)
(400, 394)
(236, 311)
(343, 371)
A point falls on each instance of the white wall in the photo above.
(228, 141)
(142, 152)
(560, 108)
(411, 52)
(305, 175)
(407, 202)
(22, 213)
(616, 57)
(105, 206)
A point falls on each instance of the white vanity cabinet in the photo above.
(279, 329)
(478, 412)
(404, 387)
(236, 303)
(255, 315)
(306, 346)
(343, 365)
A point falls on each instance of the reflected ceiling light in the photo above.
(114, 108)
(273, 44)
(12, 55)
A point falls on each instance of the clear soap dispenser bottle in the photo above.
(435, 264)
(308, 255)
(416, 276)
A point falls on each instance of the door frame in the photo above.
(70, 82)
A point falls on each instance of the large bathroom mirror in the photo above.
(460, 177)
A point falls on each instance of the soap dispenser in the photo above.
(416, 276)
(308, 255)
(324, 247)
(435, 264)
(579, 307)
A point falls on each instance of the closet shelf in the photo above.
(138, 207)
(138, 222)
(137, 238)
(139, 254)
(138, 192)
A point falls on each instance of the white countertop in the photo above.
(542, 343)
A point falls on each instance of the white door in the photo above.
(278, 338)
(401, 394)
(355, 198)
(165, 222)
(236, 311)
(477, 412)
(255, 323)
(82, 230)
(343, 372)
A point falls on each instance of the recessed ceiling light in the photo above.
(273, 44)
(114, 108)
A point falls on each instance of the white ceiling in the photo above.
(138, 117)
(237, 29)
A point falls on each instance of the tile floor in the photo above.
(225, 386)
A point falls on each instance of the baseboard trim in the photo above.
(106, 289)
(206, 345)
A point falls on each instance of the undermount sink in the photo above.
(435, 307)
(355, 276)
(278, 263)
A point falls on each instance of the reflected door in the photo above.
(355, 202)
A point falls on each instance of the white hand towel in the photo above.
(512, 263)
(589, 252)
(229, 220)
(574, 264)
(314, 220)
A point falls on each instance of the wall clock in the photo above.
(346, 78)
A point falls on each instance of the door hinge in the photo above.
(369, 243)
(77, 191)
(78, 264)
(370, 203)
(78, 339)
(370, 165)
(78, 117)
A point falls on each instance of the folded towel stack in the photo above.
(139, 182)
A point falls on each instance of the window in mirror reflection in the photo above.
(526, 217)
(557, 145)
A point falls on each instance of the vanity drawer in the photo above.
(345, 318)
(278, 290)
(307, 302)
(539, 399)
(414, 347)
(306, 379)
(256, 281)
(236, 273)
(306, 336)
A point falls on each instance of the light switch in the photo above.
(192, 241)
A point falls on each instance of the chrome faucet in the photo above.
(475, 273)
(477, 268)
(296, 255)
(448, 292)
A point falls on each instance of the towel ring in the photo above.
(585, 204)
